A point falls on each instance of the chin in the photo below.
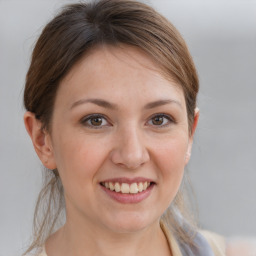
(131, 222)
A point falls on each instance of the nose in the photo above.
(130, 150)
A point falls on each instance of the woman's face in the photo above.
(119, 140)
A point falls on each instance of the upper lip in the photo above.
(128, 180)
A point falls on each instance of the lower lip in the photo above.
(128, 198)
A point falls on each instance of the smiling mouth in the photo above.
(125, 188)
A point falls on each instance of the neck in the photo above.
(88, 239)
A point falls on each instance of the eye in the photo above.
(160, 120)
(95, 121)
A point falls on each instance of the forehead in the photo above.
(121, 55)
(117, 72)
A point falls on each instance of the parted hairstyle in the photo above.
(64, 41)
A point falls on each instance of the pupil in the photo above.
(96, 121)
(158, 120)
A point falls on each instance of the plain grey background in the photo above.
(221, 35)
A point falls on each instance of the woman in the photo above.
(111, 111)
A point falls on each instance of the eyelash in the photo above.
(85, 121)
(168, 120)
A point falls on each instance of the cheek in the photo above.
(79, 160)
(171, 160)
(78, 163)
(172, 153)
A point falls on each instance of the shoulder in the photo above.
(217, 242)
(203, 243)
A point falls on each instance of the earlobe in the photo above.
(40, 139)
(194, 125)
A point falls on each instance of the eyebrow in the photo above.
(159, 103)
(106, 104)
(99, 102)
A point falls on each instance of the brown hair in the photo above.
(77, 29)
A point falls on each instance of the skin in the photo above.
(127, 142)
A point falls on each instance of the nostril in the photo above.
(130, 151)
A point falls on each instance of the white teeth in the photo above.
(111, 186)
(134, 188)
(125, 188)
(106, 184)
(117, 187)
(140, 187)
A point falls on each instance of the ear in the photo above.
(191, 137)
(41, 140)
